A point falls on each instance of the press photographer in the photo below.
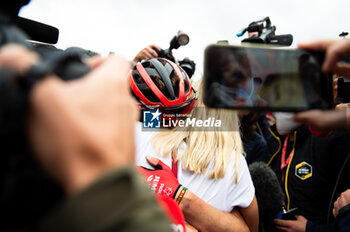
(58, 141)
(262, 31)
(153, 51)
(26, 192)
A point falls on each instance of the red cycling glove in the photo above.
(161, 180)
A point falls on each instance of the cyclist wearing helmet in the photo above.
(209, 163)
(161, 84)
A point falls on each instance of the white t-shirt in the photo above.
(222, 194)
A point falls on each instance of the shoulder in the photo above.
(143, 135)
(241, 193)
(143, 146)
(238, 170)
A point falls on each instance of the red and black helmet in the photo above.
(159, 83)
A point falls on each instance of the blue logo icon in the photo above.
(151, 119)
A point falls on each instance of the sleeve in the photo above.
(264, 127)
(339, 163)
(242, 193)
(259, 150)
(340, 150)
(119, 201)
(315, 227)
(343, 219)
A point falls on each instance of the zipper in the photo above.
(287, 172)
(279, 146)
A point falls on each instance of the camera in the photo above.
(26, 192)
(180, 39)
(265, 34)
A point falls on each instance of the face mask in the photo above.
(285, 123)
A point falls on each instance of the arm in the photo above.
(251, 215)
(119, 201)
(147, 53)
(316, 227)
(342, 201)
(88, 148)
(197, 212)
(343, 219)
(207, 218)
(301, 224)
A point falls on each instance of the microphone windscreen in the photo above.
(268, 191)
(38, 31)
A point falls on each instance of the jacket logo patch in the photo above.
(303, 170)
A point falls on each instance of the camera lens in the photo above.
(183, 39)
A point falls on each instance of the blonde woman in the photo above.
(209, 161)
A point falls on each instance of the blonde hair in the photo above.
(204, 145)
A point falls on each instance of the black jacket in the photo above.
(343, 219)
(310, 176)
(255, 148)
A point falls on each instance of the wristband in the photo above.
(182, 193)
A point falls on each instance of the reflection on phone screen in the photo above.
(274, 79)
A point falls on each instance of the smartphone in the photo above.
(343, 90)
(265, 78)
(290, 214)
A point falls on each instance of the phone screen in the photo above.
(241, 77)
(343, 90)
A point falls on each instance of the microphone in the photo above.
(38, 31)
(268, 191)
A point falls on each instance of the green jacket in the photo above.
(119, 201)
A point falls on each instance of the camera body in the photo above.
(265, 34)
(178, 40)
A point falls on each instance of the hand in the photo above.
(17, 58)
(324, 120)
(335, 88)
(161, 180)
(298, 225)
(83, 128)
(147, 53)
(342, 106)
(335, 49)
(190, 228)
(342, 201)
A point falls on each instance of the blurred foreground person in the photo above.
(82, 134)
